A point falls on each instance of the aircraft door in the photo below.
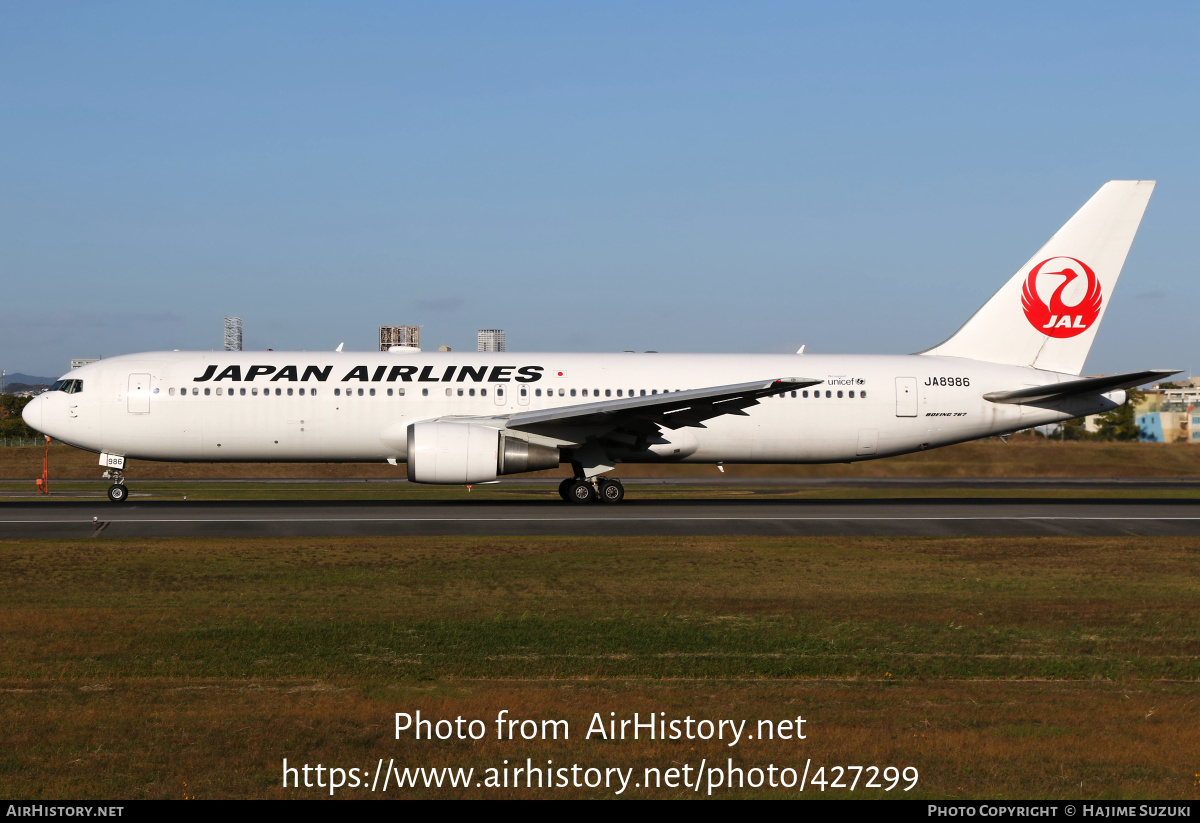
(500, 392)
(139, 394)
(906, 397)
(523, 395)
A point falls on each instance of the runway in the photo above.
(930, 517)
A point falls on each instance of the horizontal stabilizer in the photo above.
(1074, 388)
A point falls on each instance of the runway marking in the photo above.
(594, 519)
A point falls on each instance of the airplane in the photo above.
(466, 418)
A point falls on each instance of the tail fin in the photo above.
(1047, 315)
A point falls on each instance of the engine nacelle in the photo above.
(452, 452)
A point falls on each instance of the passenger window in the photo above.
(608, 392)
(483, 392)
(643, 393)
(278, 392)
(562, 392)
(828, 393)
(538, 392)
(852, 392)
(793, 395)
(301, 392)
(862, 395)
(195, 390)
(372, 392)
(424, 392)
(449, 392)
(242, 392)
(585, 392)
(337, 392)
(471, 392)
(619, 392)
(572, 392)
(500, 391)
(207, 391)
(460, 392)
(804, 393)
(314, 393)
(171, 392)
(218, 391)
(389, 392)
(654, 391)
(290, 392)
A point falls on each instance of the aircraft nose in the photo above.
(32, 413)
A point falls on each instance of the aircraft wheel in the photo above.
(611, 491)
(564, 489)
(580, 491)
(117, 493)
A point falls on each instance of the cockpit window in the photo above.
(68, 386)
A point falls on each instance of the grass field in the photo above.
(67, 491)
(1020, 457)
(1036, 667)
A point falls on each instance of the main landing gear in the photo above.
(117, 492)
(604, 490)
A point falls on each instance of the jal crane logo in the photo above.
(1055, 318)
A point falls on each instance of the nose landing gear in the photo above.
(117, 492)
(579, 490)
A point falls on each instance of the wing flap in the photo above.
(673, 410)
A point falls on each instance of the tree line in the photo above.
(1116, 425)
(11, 424)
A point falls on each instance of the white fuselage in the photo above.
(356, 406)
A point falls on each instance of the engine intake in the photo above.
(451, 452)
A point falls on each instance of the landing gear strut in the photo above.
(579, 490)
(117, 492)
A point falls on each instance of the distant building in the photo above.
(399, 336)
(80, 362)
(233, 334)
(491, 340)
(1170, 414)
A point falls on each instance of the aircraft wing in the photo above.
(1074, 388)
(673, 410)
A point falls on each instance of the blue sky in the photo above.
(856, 177)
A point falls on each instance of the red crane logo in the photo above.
(1057, 319)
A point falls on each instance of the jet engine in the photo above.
(452, 452)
